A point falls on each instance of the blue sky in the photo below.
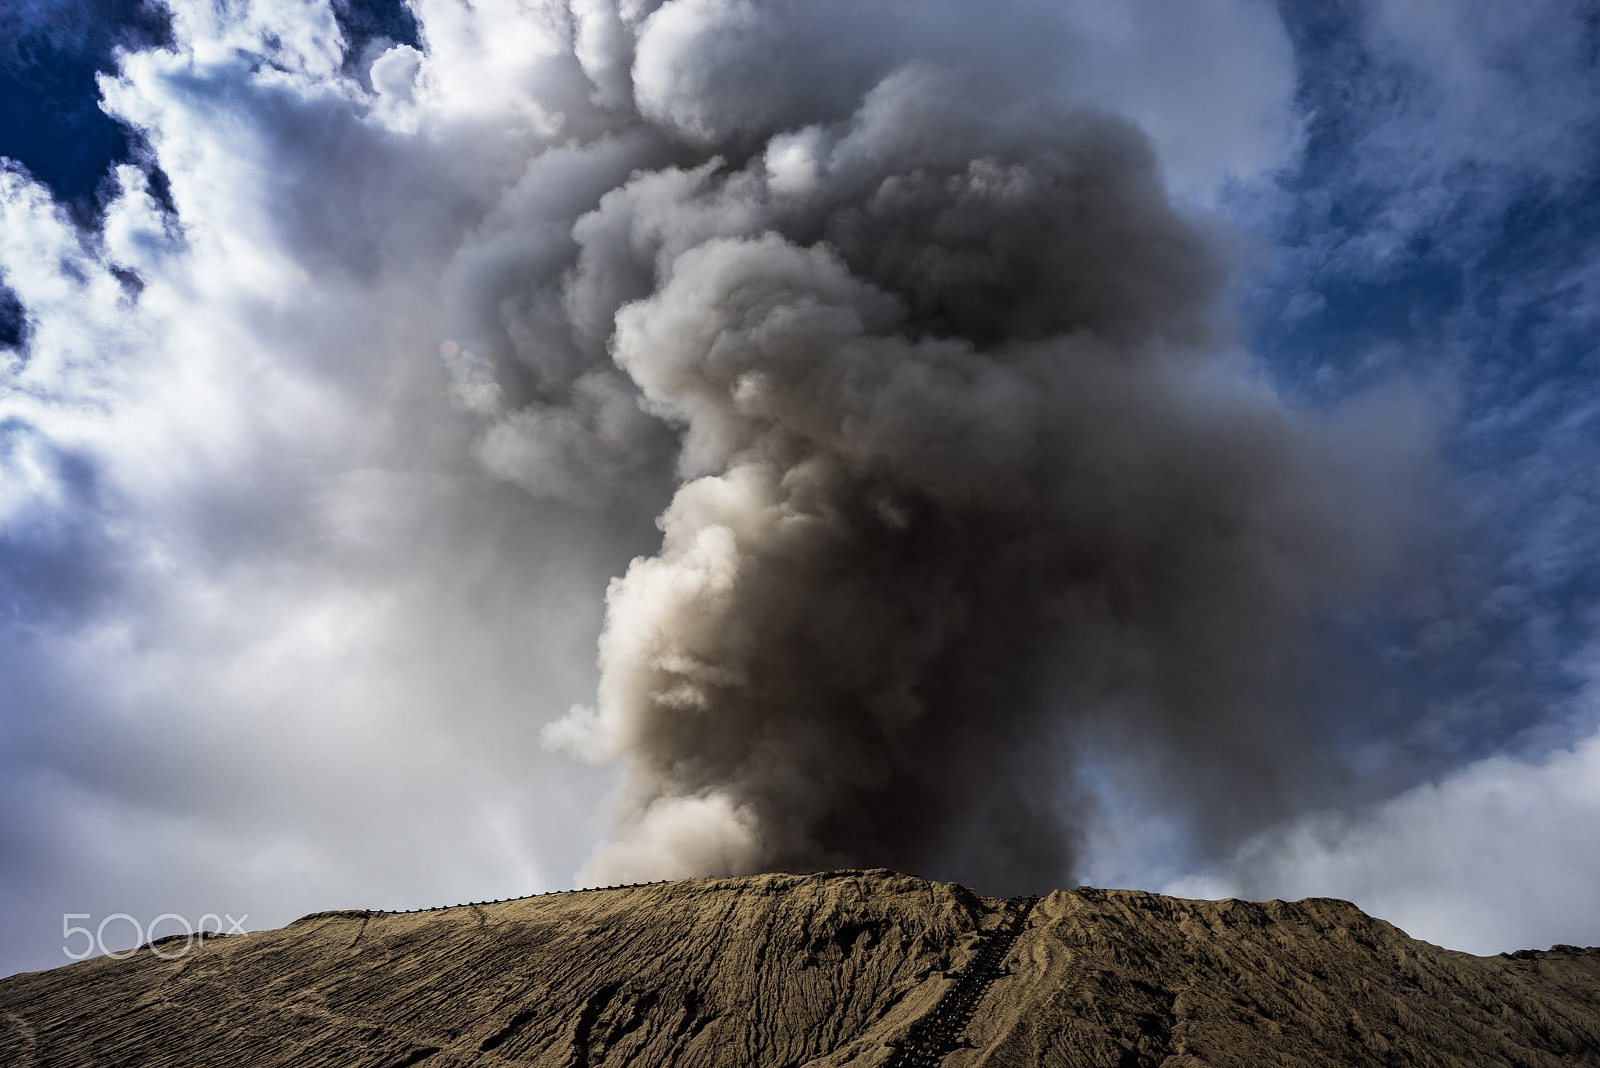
(1446, 232)
(299, 560)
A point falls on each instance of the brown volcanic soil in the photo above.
(831, 969)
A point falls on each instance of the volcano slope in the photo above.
(841, 968)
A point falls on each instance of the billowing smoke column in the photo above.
(969, 471)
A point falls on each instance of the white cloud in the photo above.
(1493, 82)
(1503, 854)
(276, 639)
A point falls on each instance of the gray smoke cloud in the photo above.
(971, 474)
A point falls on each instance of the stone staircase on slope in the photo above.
(934, 1036)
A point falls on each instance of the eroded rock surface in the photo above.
(823, 970)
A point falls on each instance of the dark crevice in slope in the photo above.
(638, 1014)
(366, 919)
(587, 1018)
(515, 1024)
(689, 1024)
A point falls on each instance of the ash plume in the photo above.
(971, 471)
